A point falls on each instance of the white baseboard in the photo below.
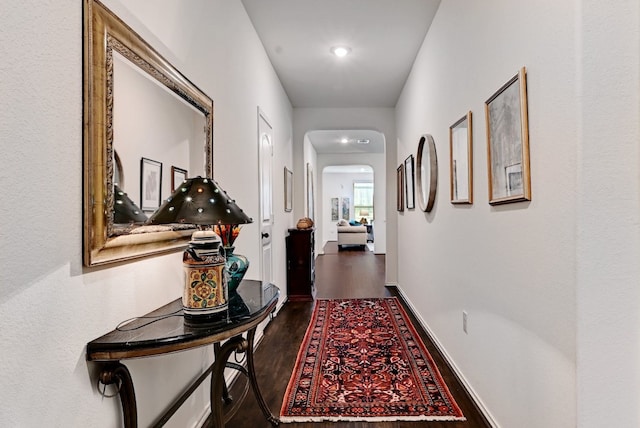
(204, 416)
(474, 396)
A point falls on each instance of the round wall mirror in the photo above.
(427, 172)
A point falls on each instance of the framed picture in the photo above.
(346, 205)
(409, 192)
(310, 201)
(461, 161)
(150, 184)
(178, 175)
(508, 142)
(400, 188)
(288, 189)
(334, 209)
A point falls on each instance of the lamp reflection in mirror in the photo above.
(202, 202)
(125, 210)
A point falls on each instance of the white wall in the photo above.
(338, 185)
(50, 305)
(548, 306)
(608, 214)
(377, 119)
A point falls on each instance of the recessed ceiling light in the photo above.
(341, 51)
(344, 140)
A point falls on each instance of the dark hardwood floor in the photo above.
(339, 274)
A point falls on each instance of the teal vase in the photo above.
(236, 266)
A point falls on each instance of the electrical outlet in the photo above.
(465, 320)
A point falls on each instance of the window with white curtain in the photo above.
(363, 200)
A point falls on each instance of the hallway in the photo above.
(344, 274)
(349, 273)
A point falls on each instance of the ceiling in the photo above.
(348, 169)
(384, 37)
(347, 141)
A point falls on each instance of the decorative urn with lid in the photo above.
(205, 292)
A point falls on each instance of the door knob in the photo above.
(265, 235)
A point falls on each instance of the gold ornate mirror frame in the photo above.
(105, 33)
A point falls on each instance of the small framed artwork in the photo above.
(178, 175)
(334, 209)
(508, 142)
(310, 196)
(461, 161)
(288, 189)
(400, 188)
(410, 196)
(346, 205)
(150, 184)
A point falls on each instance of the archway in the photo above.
(348, 191)
(341, 148)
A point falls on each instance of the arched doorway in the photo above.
(342, 148)
(349, 190)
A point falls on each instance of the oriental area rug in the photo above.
(362, 360)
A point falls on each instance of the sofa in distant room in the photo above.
(349, 235)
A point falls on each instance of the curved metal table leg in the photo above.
(225, 389)
(254, 381)
(222, 353)
(118, 373)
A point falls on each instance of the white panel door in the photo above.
(265, 142)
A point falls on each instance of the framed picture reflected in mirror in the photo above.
(178, 175)
(150, 184)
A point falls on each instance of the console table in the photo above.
(163, 331)
(369, 232)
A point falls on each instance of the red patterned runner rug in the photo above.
(362, 360)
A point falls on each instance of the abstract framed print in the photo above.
(508, 142)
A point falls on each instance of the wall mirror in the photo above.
(141, 117)
(426, 172)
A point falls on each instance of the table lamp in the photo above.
(364, 213)
(202, 202)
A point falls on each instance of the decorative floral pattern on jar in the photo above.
(205, 287)
(205, 290)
